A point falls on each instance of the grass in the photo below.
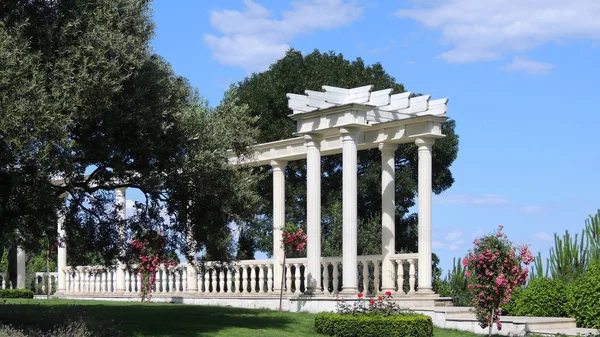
(162, 319)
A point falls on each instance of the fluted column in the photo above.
(278, 219)
(313, 213)
(349, 216)
(61, 251)
(425, 176)
(388, 214)
(120, 197)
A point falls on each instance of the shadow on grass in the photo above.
(149, 319)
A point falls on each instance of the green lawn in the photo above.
(154, 319)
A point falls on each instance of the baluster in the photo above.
(36, 282)
(411, 276)
(270, 279)
(336, 277)
(213, 280)
(97, 281)
(252, 278)
(77, 276)
(261, 278)
(376, 277)
(221, 280)
(288, 278)
(184, 285)
(400, 276)
(236, 278)
(305, 277)
(206, 280)
(86, 280)
(199, 279)
(244, 285)
(172, 275)
(177, 274)
(365, 279)
(163, 279)
(228, 283)
(295, 284)
(325, 276)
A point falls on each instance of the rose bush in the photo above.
(494, 270)
(150, 250)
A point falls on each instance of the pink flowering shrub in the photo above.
(382, 306)
(150, 250)
(293, 241)
(494, 269)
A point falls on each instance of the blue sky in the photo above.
(521, 76)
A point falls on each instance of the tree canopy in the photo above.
(83, 98)
(265, 95)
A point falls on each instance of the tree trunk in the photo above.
(491, 323)
(48, 272)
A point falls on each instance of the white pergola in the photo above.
(335, 120)
(339, 120)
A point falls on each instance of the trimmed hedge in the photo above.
(16, 293)
(543, 297)
(584, 298)
(408, 325)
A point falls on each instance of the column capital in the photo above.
(121, 189)
(387, 147)
(424, 142)
(348, 133)
(312, 140)
(278, 164)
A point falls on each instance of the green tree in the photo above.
(265, 95)
(84, 98)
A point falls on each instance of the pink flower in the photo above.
(372, 301)
(360, 295)
(388, 293)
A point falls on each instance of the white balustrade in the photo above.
(250, 277)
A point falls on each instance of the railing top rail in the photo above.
(405, 256)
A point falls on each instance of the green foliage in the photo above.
(455, 282)
(582, 298)
(543, 297)
(509, 308)
(82, 97)
(16, 293)
(265, 95)
(592, 231)
(569, 257)
(409, 325)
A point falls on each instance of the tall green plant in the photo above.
(592, 232)
(537, 269)
(569, 257)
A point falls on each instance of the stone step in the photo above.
(564, 332)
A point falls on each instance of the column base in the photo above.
(349, 291)
(425, 292)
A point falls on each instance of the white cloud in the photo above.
(453, 235)
(542, 236)
(523, 64)
(532, 209)
(470, 199)
(437, 244)
(253, 39)
(485, 30)
(453, 247)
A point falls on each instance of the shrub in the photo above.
(543, 297)
(509, 309)
(583, 296)
(16, 293)
(407, 325)
(383, 306)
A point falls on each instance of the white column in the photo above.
(278, 219)
(61, 251)
(349, 216)
(388, 214)
(120, 200)
(191, 271)
(424, 281)
(21, 271)
(313, 213)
